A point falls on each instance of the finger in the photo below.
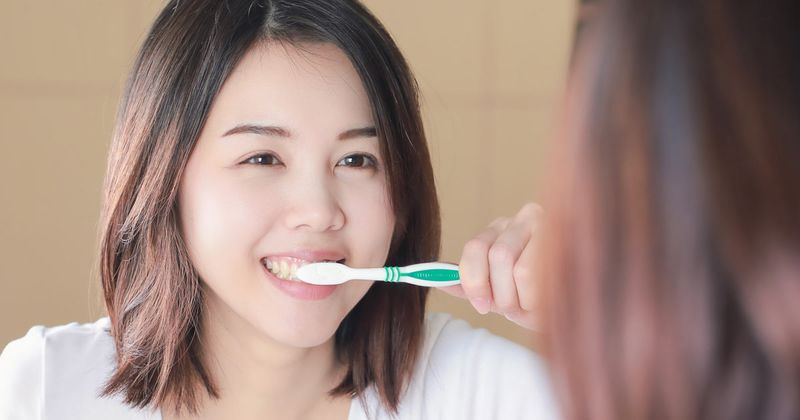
(474, 269)
(524, 268)
(529, 212)
(500, 224)
(525, 275)
(503, 256)
(527, 320)
(455, 290)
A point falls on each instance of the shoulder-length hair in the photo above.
(151, 290)
(671, 262)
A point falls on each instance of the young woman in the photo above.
(673, 263)
(256, 134)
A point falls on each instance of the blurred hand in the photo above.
(497, 267)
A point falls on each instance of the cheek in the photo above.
(220, 221)
(372, 223)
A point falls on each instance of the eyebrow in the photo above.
(273, 131)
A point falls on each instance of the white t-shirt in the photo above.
(463, 373)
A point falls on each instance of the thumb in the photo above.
(455, 290)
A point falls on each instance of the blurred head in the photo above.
(255, 133)
(672, 257)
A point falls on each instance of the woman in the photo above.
(261, 134)
(672, 264)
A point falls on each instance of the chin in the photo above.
(299, 329)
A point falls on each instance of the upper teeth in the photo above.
(285, 267)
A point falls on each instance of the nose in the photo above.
(314, 207)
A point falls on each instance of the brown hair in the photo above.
(151, 290)
(671, 261)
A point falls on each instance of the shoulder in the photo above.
(481, 375)
(44, 348)
(21, 376)
(450, 341)
(470, 373)
(59, 369)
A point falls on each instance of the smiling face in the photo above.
(287, 170)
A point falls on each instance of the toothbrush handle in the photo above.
(375, 274)
(433, 274)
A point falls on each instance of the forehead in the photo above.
(291, 84)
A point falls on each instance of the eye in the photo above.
(359, 161)
(263, 159)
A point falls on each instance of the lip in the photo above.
(309, 255)
(297, 289)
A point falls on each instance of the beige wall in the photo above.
(490, 74)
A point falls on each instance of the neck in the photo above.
(258, 377)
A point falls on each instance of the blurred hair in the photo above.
(671, 261)
(152, 292)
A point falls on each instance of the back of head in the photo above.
(672, 260)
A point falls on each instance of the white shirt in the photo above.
(463, 373)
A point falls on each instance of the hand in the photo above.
(497, 267)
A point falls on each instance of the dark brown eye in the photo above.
(266, 159)
(358, 161)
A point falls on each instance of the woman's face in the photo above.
(287, 170)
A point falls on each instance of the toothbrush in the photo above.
(433, 274)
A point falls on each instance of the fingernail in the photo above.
(482, 305)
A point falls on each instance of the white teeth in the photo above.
(285, 267)
(283, 271)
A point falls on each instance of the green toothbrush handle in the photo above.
(434, 274)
